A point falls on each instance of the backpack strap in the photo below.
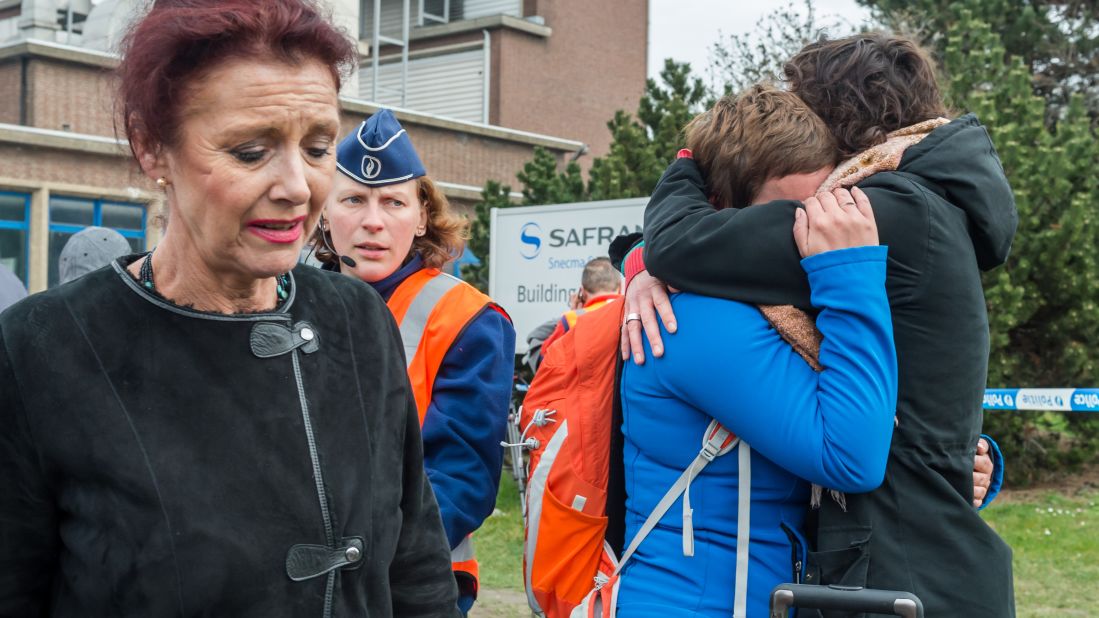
(717, 442)
(743, 530)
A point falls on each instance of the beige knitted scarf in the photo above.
(798, 328)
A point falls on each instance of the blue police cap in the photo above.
(379, 152)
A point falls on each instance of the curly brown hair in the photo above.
(443, 240)
(865, 86)
(746, 139)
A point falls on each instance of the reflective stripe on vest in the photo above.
(464, 562)
(571, 317)
(415, 319)
(432, 310)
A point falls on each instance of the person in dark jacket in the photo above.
(12, 289)
(946, 213)
(386, 223)
(800, 422)
(206, 430)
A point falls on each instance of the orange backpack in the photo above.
(567, 420)
(569, 566)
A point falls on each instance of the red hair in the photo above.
(179, 40)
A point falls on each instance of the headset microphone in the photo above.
(347, 260)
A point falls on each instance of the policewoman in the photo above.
(386, 223)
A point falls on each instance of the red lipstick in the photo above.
(278, 231)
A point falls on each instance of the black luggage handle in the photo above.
(844, 598)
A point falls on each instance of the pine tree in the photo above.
(632, 166)
(642, 147)
(640, 151)
(1056, 40)
(1044, 304)
(543, 184)
(493, 195)
(667, 107)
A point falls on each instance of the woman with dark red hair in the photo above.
(225, 434)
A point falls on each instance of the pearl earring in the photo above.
(162, 182)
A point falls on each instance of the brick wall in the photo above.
(571, 83)
(458, 157)
(10, 75)
(49, 165)
(66, 93)
(63, 93)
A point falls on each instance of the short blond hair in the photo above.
(750, 138)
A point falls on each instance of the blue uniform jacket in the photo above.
(467, 416)
(726, 362)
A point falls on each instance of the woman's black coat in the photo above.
(159, 461)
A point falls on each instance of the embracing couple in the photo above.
(850, 355)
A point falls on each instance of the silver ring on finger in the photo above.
(630, 317)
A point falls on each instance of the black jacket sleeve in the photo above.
(421, 580)
(746, 254)
(28, 518)
(749, 254)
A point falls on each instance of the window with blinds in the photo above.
(450, 84)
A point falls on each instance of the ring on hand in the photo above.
(847, 204)
(630, 317)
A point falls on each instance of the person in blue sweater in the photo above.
(387, 224)
(830, 427)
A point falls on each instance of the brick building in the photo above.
(478, 84)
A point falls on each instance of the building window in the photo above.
(69, 215)
(15, 211)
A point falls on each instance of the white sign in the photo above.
(538, 254)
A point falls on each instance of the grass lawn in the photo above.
(1055, 537)
(499, 542)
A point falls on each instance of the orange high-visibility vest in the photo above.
(571, 316)
(432, 309)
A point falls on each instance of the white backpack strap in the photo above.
(715, 443)
(743, 530)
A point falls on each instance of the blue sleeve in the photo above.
(466, 420)
(997, 471)
(832, 427)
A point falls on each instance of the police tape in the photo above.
(1054, 399)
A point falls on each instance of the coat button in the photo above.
(353, 554)
(307, 334)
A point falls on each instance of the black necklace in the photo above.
(282, 282)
